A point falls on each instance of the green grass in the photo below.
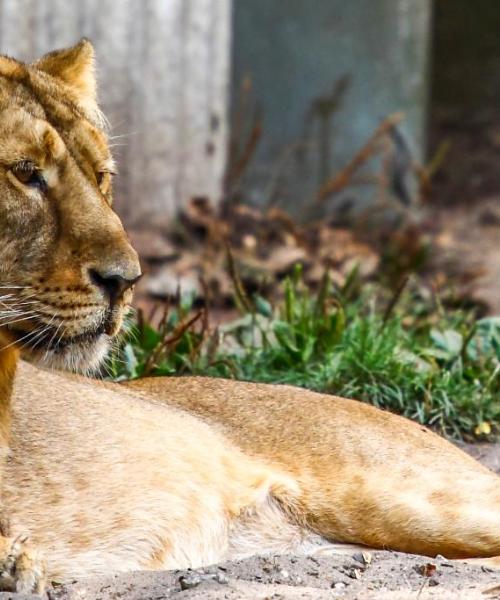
(403, 353)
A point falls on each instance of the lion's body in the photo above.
(166, 473)
(366, 476)
(107, 479)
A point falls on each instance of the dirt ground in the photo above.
(353, 575)
(470, 240)
(388, 576)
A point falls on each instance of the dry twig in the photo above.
(176, 336)
(342, 179)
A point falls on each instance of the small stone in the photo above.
(221, 578)
(339, 585)
(444, 562)
(354, 573)
(285, 574)
(188, 582)
(365, 558)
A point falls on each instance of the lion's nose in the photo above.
(112, 284)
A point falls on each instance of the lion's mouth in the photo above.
(50, 338)
(81, 353)
(88, 337)
(54, 346)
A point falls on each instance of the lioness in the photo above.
(168, 473)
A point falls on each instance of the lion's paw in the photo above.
(21, 567)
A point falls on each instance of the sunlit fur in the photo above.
(182, 472)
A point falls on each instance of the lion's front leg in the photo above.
(22, 569)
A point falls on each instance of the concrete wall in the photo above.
(163, 70)
(296, 54)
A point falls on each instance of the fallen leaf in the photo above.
(484, 428)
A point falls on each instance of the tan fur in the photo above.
(168, 473)
(123, 483)
(51, 240)
(8, 363)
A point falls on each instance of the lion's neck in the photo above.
(9, 357)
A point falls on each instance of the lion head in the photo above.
(66, 266)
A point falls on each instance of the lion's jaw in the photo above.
(66, 266)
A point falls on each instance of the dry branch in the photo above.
(342, 179)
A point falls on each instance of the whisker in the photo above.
(28, 296)
(61, 335)
(13, 309)
(40, 335)
(5, 314)
(30, 333)
(14, 321)
(49, 345)
(122, 135)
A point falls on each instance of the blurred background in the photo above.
(322, 132)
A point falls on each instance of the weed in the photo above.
(403, 353)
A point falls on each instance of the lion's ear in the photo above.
(75, 66)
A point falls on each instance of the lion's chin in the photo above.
(85, 357)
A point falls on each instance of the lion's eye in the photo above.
(28, 174)
(103, 179)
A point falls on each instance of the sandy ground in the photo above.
(353, 575)
(387, 576)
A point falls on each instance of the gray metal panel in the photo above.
(295, 52)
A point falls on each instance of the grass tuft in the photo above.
(403, 353)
